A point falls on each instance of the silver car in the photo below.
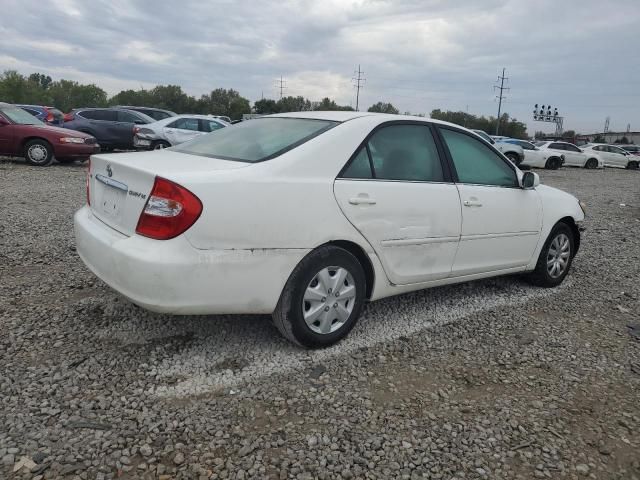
(175, 130)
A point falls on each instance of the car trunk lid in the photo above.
(120, 184)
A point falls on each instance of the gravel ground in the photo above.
(493, 379)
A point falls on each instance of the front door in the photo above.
(501, 222)
(182, 130)
(396, 193)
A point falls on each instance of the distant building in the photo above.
(610, 137)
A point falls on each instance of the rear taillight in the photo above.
(170, 210)
(88, 181)
(67, 117)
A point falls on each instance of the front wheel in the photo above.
(552, 164)
(591, 164)
(515, 159)
(38, 152)
(555, 257)
(322, 299)
(633, 165)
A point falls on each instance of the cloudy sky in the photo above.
(579, 55)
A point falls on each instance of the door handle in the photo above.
(362, 201)
(472, 203)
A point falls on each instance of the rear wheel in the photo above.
(552, 164)
(633, 165)
(159, 145)
(591, 163)
(322, 299)
(38, 152)
(555, 257)
(515, 158)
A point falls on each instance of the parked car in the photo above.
(223, 118)
(113, 127)
(535, 157)
(23, 135)
(632, 149)
(307, 215)
(174, 131)
(612, 155)
(49, 115)
(155, 113)
(511, 151)
(572, 155)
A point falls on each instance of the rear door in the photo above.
(574, 156)
(6, 137)
(501, 222)
(398, 193)
(616, 156)
(101, 124)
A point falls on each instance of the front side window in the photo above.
(557, 146)
(127, 117)
(476, 163)
(109, 115)
(256, 140)
(571, 148)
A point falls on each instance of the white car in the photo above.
(511, 151)
(612, 156)
(174, 131)
(536, 157)
(572, 155)
(308, 215)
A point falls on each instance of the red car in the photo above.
(23, 135)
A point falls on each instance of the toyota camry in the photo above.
(306, 216)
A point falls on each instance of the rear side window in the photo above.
(360, 166)
(210, 125)
(109, 115)
(256, 140)
(475, 162)
(127, 117)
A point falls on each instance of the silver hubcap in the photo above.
(329, 300)
(558, 255)
(37, 153)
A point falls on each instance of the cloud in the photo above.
(418, 54)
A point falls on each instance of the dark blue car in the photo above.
(48, 115)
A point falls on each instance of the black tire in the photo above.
(514, 157)
(66, 160)
(288, 316)
(38, 152)
(633, 165)
(591, 164)
(106, 149)
(159, 145)
(541, 275)
(553, 163)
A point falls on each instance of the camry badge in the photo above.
(109, 171)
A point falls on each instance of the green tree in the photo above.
(265, 106)
(622, 141)
(509, 127)
(382, 107)
(599, 139)
(16, 88)
(224, 102)
(67, 94)
(293, 104)
(44, 81)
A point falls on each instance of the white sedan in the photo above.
(308, 215)
(613, 156)
(572, 155)
(537, 157)
(174, 131)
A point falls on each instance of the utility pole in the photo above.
(359, 82)
(500, 97)
(282, 85)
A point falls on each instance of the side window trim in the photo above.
(454, 172)
(446, 171)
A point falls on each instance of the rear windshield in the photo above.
(256, 140)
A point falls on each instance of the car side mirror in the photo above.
(530, 180)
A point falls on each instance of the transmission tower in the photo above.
(606, 124)
(282, 85)
(358, 81)
(500, 97)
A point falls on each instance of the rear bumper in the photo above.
(75, 150)
(174, 277)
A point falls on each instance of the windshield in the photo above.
(256, 140)
(19, 116)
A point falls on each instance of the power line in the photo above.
(359, 82)
(500, 97)
(282, 85)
